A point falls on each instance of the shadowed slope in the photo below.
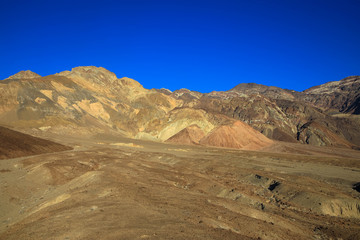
(15, 144)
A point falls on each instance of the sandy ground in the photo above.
(113, 188)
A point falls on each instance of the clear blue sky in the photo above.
(199, 45)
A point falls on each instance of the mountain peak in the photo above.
(92, 69)
(250, 87)
(90, 72)
(24, 75)
(130, 82)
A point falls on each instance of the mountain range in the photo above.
(92, 100)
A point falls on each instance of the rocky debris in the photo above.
(356, 187)
(263, 182)
(273, 185)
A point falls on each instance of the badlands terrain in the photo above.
(86, 155)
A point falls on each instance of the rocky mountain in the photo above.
(92, 100)
(343, 96)
(84, 100)
(292, 116)
(285, 120)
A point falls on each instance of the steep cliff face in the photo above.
(89, 100)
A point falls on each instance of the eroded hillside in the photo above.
(92, 100)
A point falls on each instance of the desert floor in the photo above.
(117, 188)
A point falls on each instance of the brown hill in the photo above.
(15, 144)
(190, 135)
(238, 135)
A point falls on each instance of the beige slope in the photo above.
(237, 135)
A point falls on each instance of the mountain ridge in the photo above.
(89, 100)
(23, 74)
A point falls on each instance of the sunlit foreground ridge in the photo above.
(85, 155)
